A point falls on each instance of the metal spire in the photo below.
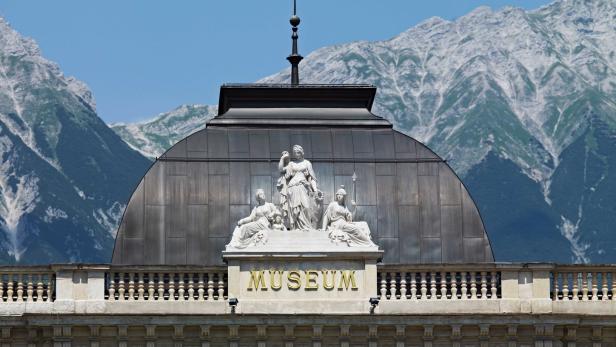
(294, 58)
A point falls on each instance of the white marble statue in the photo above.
(338, 220)
(299, 196)
(254, 229)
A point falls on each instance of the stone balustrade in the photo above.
(583, 283)
(419, 289)
(167, 283)
(430, 283)
(26, 284)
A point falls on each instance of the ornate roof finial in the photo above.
(294, 58)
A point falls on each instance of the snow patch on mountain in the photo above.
(110, 217)
(18, 196)
(52, 214)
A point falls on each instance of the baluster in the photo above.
(39, 288)
(566, 286)
(584, 286)
(2, 290)
(464, 287)
(473, 285)
(210, 286)
(433, 285)
(131, 286)
(493, 288)
(403, 285)
(555, 286)
(172, 286)
(383, 286)
(424, 287)
(392, 286)
(181, 290)
(151, 286)
(20, 288)
(454, 285)
(191, 287)
(613, 285)
(443, 285)
(595, 288)
(161, 286)
(201, 286)
(413, 286)
(121, 289)
(29, 288)
(140, 287)
(111, 288)
(484, 286)
(576, 279)
(51, 289)
(604, 286)
(221, 286)
(9, 289)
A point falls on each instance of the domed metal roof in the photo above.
(187, 205)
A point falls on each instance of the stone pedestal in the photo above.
(302, 272)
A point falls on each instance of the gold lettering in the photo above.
(311, 279)
(273, 284)
(328, 285)
(294, 280)
(257, 279)
(347, 278)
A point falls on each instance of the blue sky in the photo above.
(143, 57)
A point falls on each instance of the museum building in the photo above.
(297, 217)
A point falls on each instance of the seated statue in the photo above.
(254, 229)
(338, 220)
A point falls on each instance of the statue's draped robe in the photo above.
(259, 222)
(298, 177)
(338, 220)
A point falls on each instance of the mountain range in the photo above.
(522, 104)
(65, 176)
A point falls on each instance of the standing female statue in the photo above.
(338, 220)
(298, 189)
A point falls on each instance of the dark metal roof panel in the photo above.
(185, 209)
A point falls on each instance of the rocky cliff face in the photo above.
(521, 103)
(64, 175)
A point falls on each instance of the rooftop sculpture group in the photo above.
(301, 208)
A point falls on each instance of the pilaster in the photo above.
(317, 335)
(289, 335)
(122, 335)
(178, 335)
(205, 335)
(512, 335)
(344, 335)
(484, 335)
(400, 335)
(94, 336)
(597, 336)
(234, 337)
(150, 335)
(456, 335)
(261, 335)
(373, 336)
(428, 335)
